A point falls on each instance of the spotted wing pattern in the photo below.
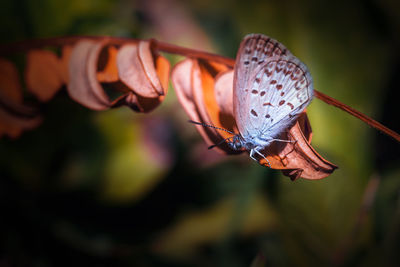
(271, 87)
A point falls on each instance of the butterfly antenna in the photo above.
(220, 143)
(211, 126)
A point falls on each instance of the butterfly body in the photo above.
(271, 88)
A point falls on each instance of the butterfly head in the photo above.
(238, 142)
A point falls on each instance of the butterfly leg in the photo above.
(259, 153)
(284, 141)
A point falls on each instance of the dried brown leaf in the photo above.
(9, 81)
(83, 85)
(43, 74)
(194, 85)
(139, 103)
(181, 77)
(136, 68)
(147, 59)
(204, 75)
(224, 90)
(14, 116)
(298, 159)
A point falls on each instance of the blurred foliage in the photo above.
(122, 189)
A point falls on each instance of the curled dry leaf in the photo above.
(207, 98)
(154, 74)
(136, 69)
(181, 77)
(297, 159)
(83, 86)
(14, 115)
(224, 92)
(43, 74)
(194, 85)
(204, 74)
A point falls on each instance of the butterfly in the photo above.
(271, 88)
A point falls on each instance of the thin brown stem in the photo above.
(174, 49)
(331, 101)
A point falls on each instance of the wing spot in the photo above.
(262, 93)
(254, 113)
(267, 116)
(260, 62)
(290, 105)
(279, 66)
(246, 62)
(267, 104)
(279, 86)
(281, 102)
(254, 92)
(282, 93)
(258, 80)
(254, 59)
(269, 73)
(273, 82)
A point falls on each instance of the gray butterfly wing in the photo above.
(253, 52)
(268, 95)
(280, 90)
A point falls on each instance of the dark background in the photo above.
(116, 188)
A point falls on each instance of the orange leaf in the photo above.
(9, 81)
(204, 96)
(194, 85)
(83, 86)
(136, 68)
(110, 71)
(14, 116)
(181, 78)
(162, 69)
(146, 104)
(43, 74)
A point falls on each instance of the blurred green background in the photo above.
(116, 188)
